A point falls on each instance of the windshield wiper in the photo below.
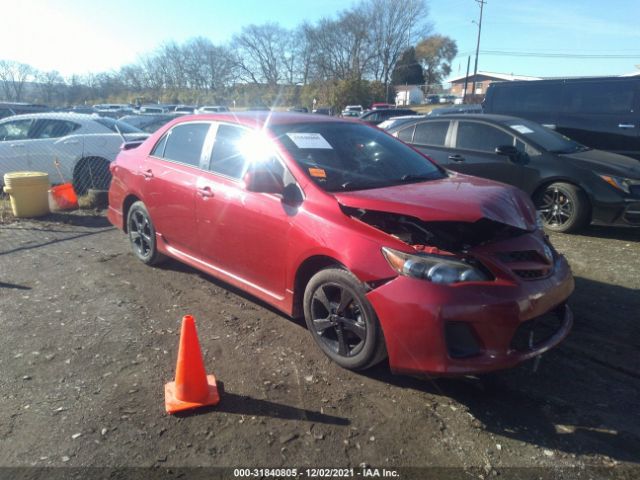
(417, 177)
(566, 151)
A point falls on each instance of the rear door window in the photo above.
(52, 129)
(184, 143)
(406, 134)
(15, 130)
(481, 137)
(431, 133)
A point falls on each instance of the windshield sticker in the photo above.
(317, 172)
(309, 140)
(521, 129)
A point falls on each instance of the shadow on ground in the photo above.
(246, 405)
(583, 397)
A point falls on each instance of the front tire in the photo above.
(342, 321)
(564, 207)
(142, 235)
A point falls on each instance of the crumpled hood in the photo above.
(606, 162)
(457, 197)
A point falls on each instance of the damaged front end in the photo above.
(441, 248)
(449, 236)
(477, 286)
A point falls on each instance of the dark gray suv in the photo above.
(601, 113)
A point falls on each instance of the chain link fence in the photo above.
(74, 149)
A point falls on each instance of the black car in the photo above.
(601, 112)
(374, 117)
(149, 123)
(571, 185)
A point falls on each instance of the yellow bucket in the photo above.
(28, 192)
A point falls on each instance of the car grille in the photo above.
(527, 264)
(532, 274)
(533, 333)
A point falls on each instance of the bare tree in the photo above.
(341, 48)
(14, 76)
(49, 84)
(208, 67)
(262, 52)
(394, 27)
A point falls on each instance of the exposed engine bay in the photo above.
(451, 236)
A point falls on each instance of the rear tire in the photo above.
(91, 172)
(342, 321)
(564, 207)
(142, 235)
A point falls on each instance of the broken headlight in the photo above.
(435, 268)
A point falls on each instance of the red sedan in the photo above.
(383, 252)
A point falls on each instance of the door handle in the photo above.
(626, 125)
(456, 158)
(16, 145)
(147, 173)
(205, 192)
(71, 142)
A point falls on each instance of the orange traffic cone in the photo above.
(193, 388)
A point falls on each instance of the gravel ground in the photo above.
(90, 337)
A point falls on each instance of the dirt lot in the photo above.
(90, 337)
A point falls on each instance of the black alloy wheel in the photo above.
(342, 321)
(142, 235)
(563, 207)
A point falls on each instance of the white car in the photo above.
(212, 109)
(353, 108)
(68, 146)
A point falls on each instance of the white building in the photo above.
(409, 95)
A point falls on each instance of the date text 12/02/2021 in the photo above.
(315, 472)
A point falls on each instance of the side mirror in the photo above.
(292, 195)
(261, 179)
(515, 155)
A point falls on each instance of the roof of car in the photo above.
(261, 118)
(491, 118)
(57, 116)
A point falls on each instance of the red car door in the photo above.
(243, 234)
(171, 173)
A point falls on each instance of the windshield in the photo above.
(546, 138)
(110, 123)
(346, 156)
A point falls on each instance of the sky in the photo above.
(81, 36)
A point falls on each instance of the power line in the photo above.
(600, 56)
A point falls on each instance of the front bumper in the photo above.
(625, 213)
(414, 315)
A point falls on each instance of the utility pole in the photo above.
(475, 68)
(466, 81)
